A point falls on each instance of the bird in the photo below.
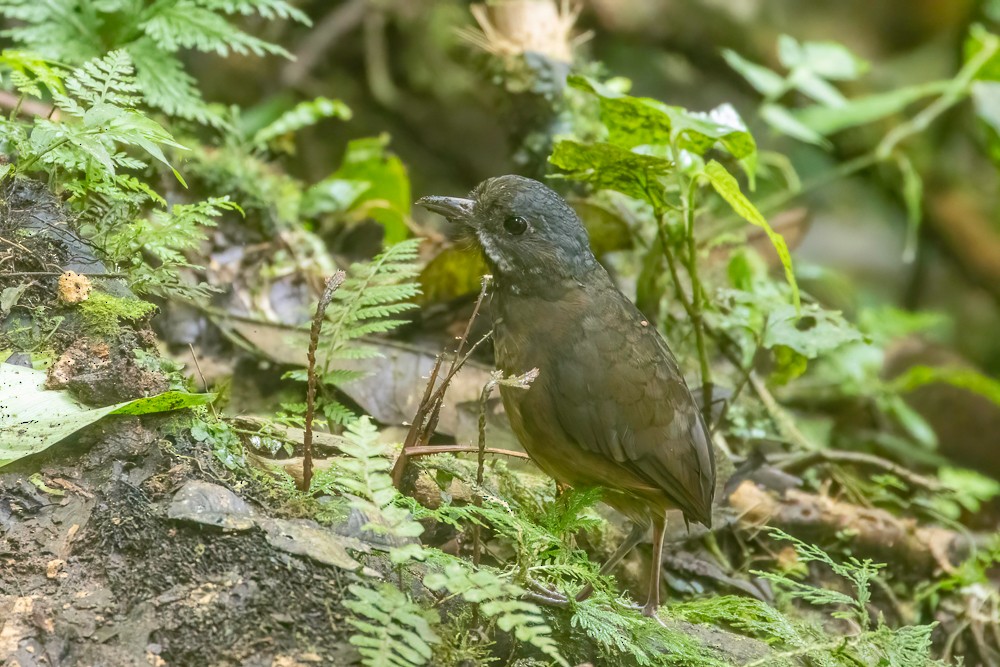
(610, 406)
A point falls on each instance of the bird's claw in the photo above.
(650, 612)
(543, 595)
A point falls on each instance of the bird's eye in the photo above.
(515, 224)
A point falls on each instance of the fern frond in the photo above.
(55, 29)
(394, 630)
(753, 617)
(76, 31)
(182, 24)
(626, 638)
(107, 80)
(167, 86)
(364, 305)
(268, 9)
(498, 599)
(363, 475)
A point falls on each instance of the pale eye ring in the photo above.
(515, 225)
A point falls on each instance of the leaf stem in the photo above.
(697, 302)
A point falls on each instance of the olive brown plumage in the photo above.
(610, 407)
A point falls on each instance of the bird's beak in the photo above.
(455, 209)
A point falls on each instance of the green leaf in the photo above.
(302, 115)
(387, 199)
(785, 122)
(33, 418)
(452, 273)
(810, 84)
(810, 331)
(825, 120)
(766, 81)
(912, 421)
(829, 60)
(611, 167)
(964, 378)
(641, 121)
(971, 488)
(729, 189)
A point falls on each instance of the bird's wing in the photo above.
(622, 395)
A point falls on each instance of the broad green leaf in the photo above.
(964, 378)
(912, 421)
(785, 122)
(729, 189)
(387, 200)
(970, 488)
(332, 195)
(642, 121)
(302, 115)
(829, 60)
(607, 230)
(33, 418)
(766, 81)
(611, 167)
(826, 120)
(809, 331)
(452, 273)
(810, 84)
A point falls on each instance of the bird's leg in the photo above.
(653, 601)
(632, 539)
(544, 595)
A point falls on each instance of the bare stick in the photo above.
(332, 284)
(202, 375)
(860, 458)
(425, 420)
(522, 381)
(465, 449)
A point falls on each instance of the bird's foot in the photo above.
(650, 611)
(544, 595)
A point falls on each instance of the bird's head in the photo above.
(529, 234)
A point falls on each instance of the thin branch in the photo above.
(332, 284)
(316, 42)
(860, 458)
(201, 374)
(425, 420)
(464, 449)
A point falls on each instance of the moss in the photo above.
(103, 312)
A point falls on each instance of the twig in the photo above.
(860, 458)
(484, 398)
(425, 420)
(785, 423)
(464, 449)
(332, 284)
(870, 532)
(522, 381)
(21, 106)
(377, 68)
(724, 342)
(201, 374)
(32, 274)
(457, 361)
(697, 303)
(334, 25)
